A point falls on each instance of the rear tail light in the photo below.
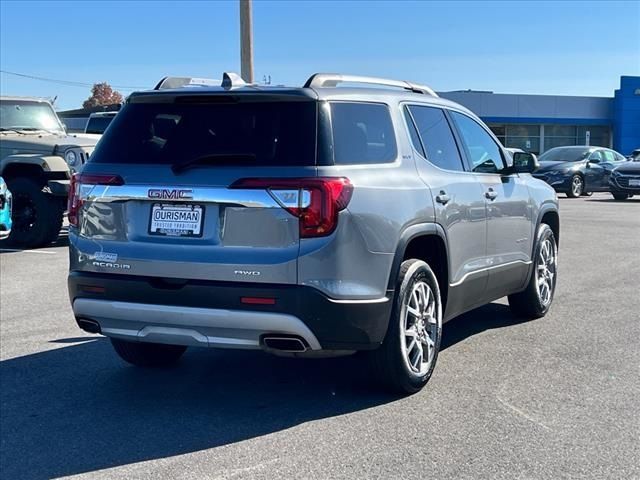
(80, 180)
(316, 201)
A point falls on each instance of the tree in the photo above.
(102, 94)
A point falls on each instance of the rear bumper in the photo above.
(212, 314)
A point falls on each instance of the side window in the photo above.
(413, 133)
(619, 158)
(436, 135)
(608, 156)
(483, 152)
(362, 133)
(596, 156)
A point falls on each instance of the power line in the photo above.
(68, 83)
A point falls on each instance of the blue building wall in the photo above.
(621, 113)
(626, 115)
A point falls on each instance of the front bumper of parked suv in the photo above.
(223, 314)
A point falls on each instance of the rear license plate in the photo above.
(176, 220)
(634, 182)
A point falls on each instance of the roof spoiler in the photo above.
(320, 80)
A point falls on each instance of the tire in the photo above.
(390, 362)
(530, 303)
(143, 354)
(620, 197)
(576, 186)
(587, 194)
(37, 215)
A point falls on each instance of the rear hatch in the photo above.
(163, 194)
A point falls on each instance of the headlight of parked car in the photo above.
(71, 158)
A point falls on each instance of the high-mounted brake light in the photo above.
(77, 181)
(316, 201)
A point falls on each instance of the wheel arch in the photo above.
(17, 169)
(33, 164)
(550, 216)
(427, 242)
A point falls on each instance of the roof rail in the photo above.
(320, 80)
(179, 82)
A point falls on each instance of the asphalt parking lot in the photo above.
(552, 398)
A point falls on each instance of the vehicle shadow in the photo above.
(613, 200)
(62, 241)
(78, 408)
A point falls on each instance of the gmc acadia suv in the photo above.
(312, 221)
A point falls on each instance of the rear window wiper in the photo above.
(212, 158)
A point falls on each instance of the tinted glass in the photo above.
(98, 124)
(260, 133)
(413, 133)
(437, 138)
(608, 156)
(362, 133)
(483, 152)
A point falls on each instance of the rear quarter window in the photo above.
(362, 133)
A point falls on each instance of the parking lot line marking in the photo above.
(26, 251)
(521, 413)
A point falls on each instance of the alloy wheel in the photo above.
(419, 328)
(576, 186)
(546, 265)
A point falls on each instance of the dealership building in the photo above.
(536, 123)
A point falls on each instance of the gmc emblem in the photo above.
(173, 194)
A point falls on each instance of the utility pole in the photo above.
(246, 41)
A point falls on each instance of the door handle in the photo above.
(491, 194)
(442, 198)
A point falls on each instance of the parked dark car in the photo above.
(635, 155)
(578, 170)
(624, 181)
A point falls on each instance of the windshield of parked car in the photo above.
(570, 154)
(255, 133)
(24, 115)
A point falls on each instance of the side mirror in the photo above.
(524, 162)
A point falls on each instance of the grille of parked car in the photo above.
(623, 180)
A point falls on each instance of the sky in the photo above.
(557, 48)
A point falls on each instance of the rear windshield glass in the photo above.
(98, 124)
(253, 133)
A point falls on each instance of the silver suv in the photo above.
(312, 221)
